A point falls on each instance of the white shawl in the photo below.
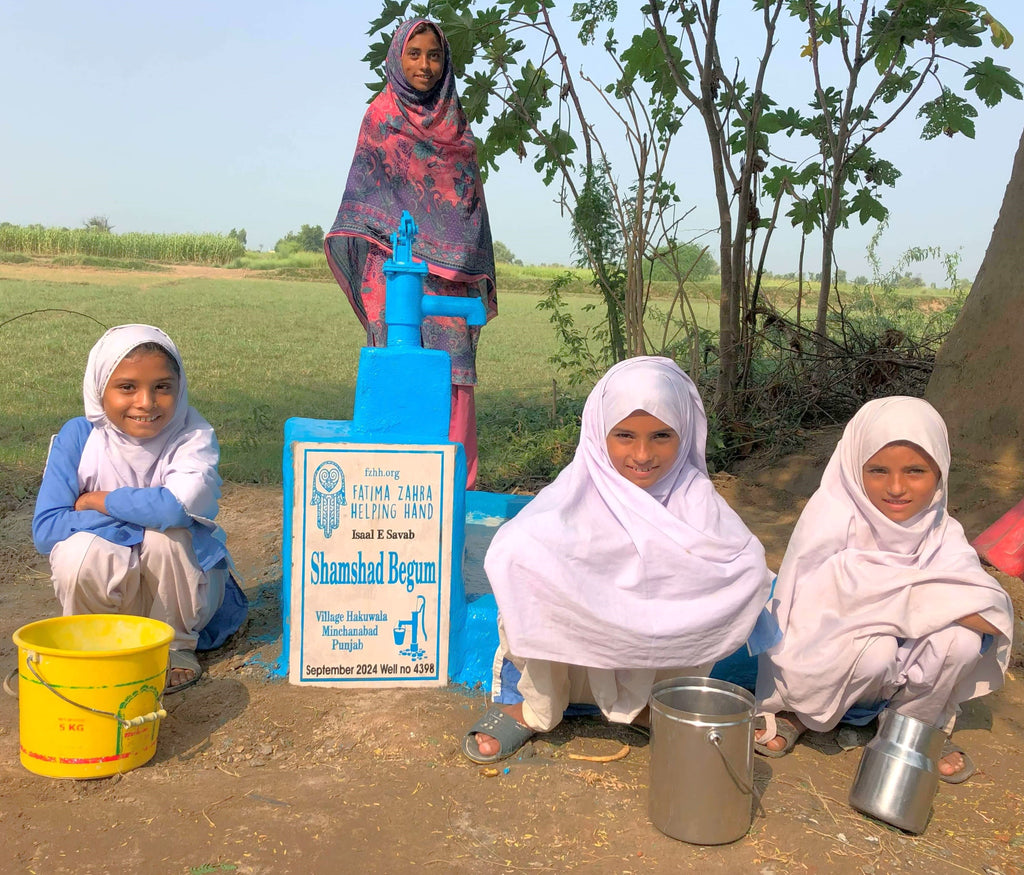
(851, 574)
(182, 457)
(598, 572)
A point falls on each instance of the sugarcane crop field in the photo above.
(255, 775)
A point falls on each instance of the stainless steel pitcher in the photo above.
(899, 772)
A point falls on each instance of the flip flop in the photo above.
(789, 732)
(188, 661)
(969, 768)
(510, 733)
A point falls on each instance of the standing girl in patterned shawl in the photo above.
(881, 600)
(415, 152)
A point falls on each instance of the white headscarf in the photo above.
(597, 571)
(851, 574)
(182, 457)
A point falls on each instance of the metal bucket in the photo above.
(702, 760)
(899, 772)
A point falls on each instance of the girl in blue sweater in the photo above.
(129, 494)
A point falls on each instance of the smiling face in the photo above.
(141, 394)
(423, 60)
(900, 480)
(642, 448)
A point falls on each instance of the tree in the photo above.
(523, 97)
(503, 255)
(100, 224)
(238, 235)
(536, 104)
(886, 60)
(874, 47)
(309, 238)
(690, 259)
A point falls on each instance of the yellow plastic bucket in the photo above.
(89, 690)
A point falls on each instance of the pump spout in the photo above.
(470, 309)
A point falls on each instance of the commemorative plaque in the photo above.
(371, 564)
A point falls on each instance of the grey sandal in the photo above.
(787, 731)
(186, 660)
(969, 768)
(510, 733)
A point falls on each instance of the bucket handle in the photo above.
(31, 657)
(715, 739)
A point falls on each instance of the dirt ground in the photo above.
(253, 775)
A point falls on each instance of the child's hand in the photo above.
(92, 501)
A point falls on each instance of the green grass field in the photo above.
(264, 348)
(257, 352)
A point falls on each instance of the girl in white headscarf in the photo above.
(126, 507)
(628, 567)
(880, 598)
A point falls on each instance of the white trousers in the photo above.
(159, 578)
(919, 677)
(548, 688)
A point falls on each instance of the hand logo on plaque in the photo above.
(328, 496)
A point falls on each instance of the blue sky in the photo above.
(210, 116)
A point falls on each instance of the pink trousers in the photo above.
(462, 427)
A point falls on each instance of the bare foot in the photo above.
(778, 743)
(951, 763)
(487, 744)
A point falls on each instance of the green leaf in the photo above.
(477, 89)
(464, 35)
(391, 12)
(829, 24)
(531, 91)
(868, 207)
(948, 114)
(804, 214)
(645, 60)
(529, 8)
(376, 53)
(990, 82)
(781, 177)
(887, 42)
(897, 83)
(877, 171)
(788, 120)
(591, 15)
(738, 138)
(557, 147)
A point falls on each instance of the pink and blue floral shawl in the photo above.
(415, 152)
